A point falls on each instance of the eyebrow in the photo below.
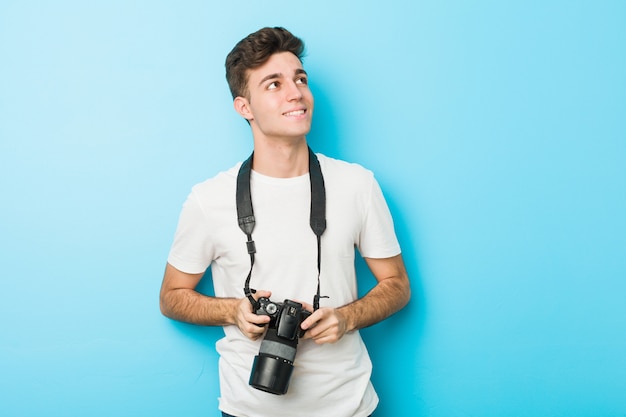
(279, 75)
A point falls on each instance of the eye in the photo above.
(273, 85)
(302, 80)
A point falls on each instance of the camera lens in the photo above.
(273, 365)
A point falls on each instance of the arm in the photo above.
(180, 301)
(390, 294)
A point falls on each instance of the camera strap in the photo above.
(317, 220)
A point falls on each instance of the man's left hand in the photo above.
(326, 325)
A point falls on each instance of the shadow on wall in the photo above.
(394, 344)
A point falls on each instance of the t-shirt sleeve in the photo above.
(192, 249)
(378, 238)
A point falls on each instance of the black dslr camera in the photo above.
(273, 365)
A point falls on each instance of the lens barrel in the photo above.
(273, 365)
(271, 374)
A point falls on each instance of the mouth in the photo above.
(295, 113)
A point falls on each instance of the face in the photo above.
(279, 105)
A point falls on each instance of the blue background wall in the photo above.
(496, 129)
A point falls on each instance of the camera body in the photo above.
(286, 317)
(273, 365)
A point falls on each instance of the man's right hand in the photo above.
(180, 301)
(250, 324)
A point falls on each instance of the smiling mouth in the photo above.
(295, 113)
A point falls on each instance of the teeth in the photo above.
(295, 113)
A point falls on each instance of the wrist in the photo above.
(233, 308)
(348, 316)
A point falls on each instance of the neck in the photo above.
(281, 160)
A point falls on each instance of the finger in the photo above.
(312, 320)
(262, 293)
(308, 307)
(328, 335)
(327, 329)
(325, 339)
(255, 332)
(258, 320)
(255, 327)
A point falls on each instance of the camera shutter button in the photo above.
(271, 308)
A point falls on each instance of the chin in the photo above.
(298, 132)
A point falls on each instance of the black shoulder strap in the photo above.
(318, 196)
(245, 215)
(318, 215)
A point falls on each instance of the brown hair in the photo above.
(253, 51)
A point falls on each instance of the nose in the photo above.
(294, 92)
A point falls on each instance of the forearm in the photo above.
(391, 293)
(382, 301)
(189, 306)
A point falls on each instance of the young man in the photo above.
(331, 373)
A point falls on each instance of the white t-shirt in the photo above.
(328, 380)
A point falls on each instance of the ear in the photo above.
(242, 106)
